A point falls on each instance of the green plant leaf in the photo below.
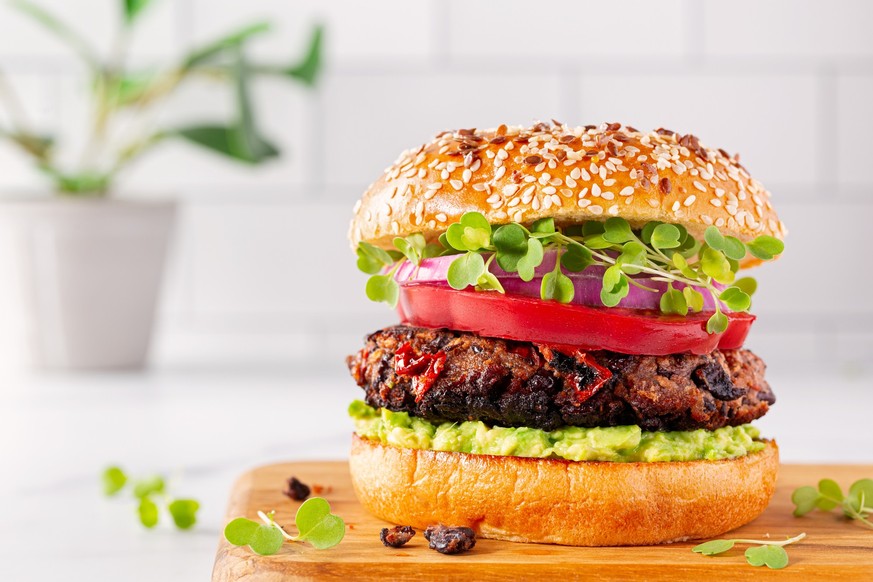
(633, 256)
(665, 236)
(372, 259)
(532, 259)
(576, 258)
(184, 512)
(557, 286)
(240, 531)
(615, 286)
(716, 265)
(114, 480)
(617, 230)
(472, 233)
(860, 496)
(60, 30)
(734, 248)
(266, 540)
(465, 270)
(747, 284)
(543, 226)
(148, 512)
(735, 299)
(132, 9)
(317, 525)
(487, 281)
(766, 247)
(718, 323)
(219, 47)
(693, 298)
(230, 141)
(805, 500)
(831, 495)
(714, 238)
(383, 288)
(681, 263)
(673, 301)
(648, 230)
(774, 557)
(145, 487)
(510, 240)
(307, 70)
(713, 547)
(412, 247)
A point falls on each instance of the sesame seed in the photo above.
(456, 184)
(549, 190)
(653, 202)
(510, 189)
(610, 182)
(715, 202)
(613, 209)
(574, 174)
(595, 190)
(500, 172)
(596, 210)
(435, 186)
(583, 202)
(690, 200)
(467, 175)
(441, 217)
(626, 191)
(570, 182)
(675, 206)
(607, 195)
(699, 186)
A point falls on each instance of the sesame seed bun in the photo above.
(573, 174)
(563, 502)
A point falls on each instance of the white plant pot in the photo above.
(80, 280)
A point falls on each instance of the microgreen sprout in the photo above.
(762, 553)
(665, 252)
(857, 505)
(315, 524)
(151, 494)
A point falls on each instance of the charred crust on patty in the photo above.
(509, 383)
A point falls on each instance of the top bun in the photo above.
(572, 174)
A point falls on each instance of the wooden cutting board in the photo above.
(835, 548)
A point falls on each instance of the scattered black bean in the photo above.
(297, 490)
(450, 540)
(396, 536)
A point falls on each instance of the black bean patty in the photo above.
(444, 375)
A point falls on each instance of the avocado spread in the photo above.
(573, 443)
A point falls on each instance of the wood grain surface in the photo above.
(835, 548)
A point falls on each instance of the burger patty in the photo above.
(444, 375)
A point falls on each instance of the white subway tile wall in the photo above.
(262, 270)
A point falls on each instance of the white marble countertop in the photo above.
(205, 427)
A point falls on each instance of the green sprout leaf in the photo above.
(860, 499)
(542, 229)
(532, 259)
(383, 288)
(184, 512)
(487, 281)
(714, 238)
(114, 480)
(735, 299)
(774, 557)
(673, 301)
(632, 258)
(372, 259)
(747, 285)
(576, 258)
(412, 247)
(266, 540)
(806, 499)
(472, 233)
(557, 286)
(617, 231)
(734, 248)
(308, 68)
(829, 495)
(465, 270)
(681, 263)
(145, 487)
(766, 247)
(510, 240)
(715, 264)
(317, 525)
(615, 286)
(718, 323)
(148, 512)
(240, 531)
(665, 236)
(693, 298)
(713, 547)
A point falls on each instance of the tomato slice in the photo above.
(626, 331)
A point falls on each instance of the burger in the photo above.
(568, 367)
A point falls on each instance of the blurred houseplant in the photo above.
(88, 267)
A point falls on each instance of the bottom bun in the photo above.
(563, 502)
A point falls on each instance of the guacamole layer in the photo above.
(617, 443)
